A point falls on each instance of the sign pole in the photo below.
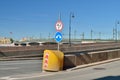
(58, 46)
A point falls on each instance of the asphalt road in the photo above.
(31, 70)
(16, 68)
(108, 71)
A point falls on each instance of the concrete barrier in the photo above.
(77, 59)
(69, 61)
(20, 53)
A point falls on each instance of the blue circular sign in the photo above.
(58, 37)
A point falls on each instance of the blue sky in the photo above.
(32, 18)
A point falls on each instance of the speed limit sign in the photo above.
(59, 26)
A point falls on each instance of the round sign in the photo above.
(59, 25)
(58, 37)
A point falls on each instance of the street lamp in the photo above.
(70, 17)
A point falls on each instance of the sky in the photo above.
(37, 18)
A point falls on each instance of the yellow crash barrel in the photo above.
(53, 60)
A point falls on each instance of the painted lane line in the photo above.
(9, 68)
(7, 78)
(25, 76)
(6, 64)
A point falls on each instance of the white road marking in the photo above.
(8, 78)
(33, 76)
(15, 63)
(9, 68)
(26, 76)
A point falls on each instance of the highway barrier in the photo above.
(78, 58)
(53, 60)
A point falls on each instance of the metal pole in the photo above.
(91, 34)
(113, 34)
(71, 16)
(116, 30)
(70, 29)
(58, 46)
(117, 22)
(59, 16)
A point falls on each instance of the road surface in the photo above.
(31, 70)
(14, 68)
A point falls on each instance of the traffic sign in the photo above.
(58, 37)
(59, 25)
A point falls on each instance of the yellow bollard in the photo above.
(53, 60)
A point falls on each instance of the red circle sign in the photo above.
(59, 25)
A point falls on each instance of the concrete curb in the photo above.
(93, 64)
(21, 57)
(13, 59)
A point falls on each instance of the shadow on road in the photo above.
(109, 78)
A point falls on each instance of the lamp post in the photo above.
(70, 17)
